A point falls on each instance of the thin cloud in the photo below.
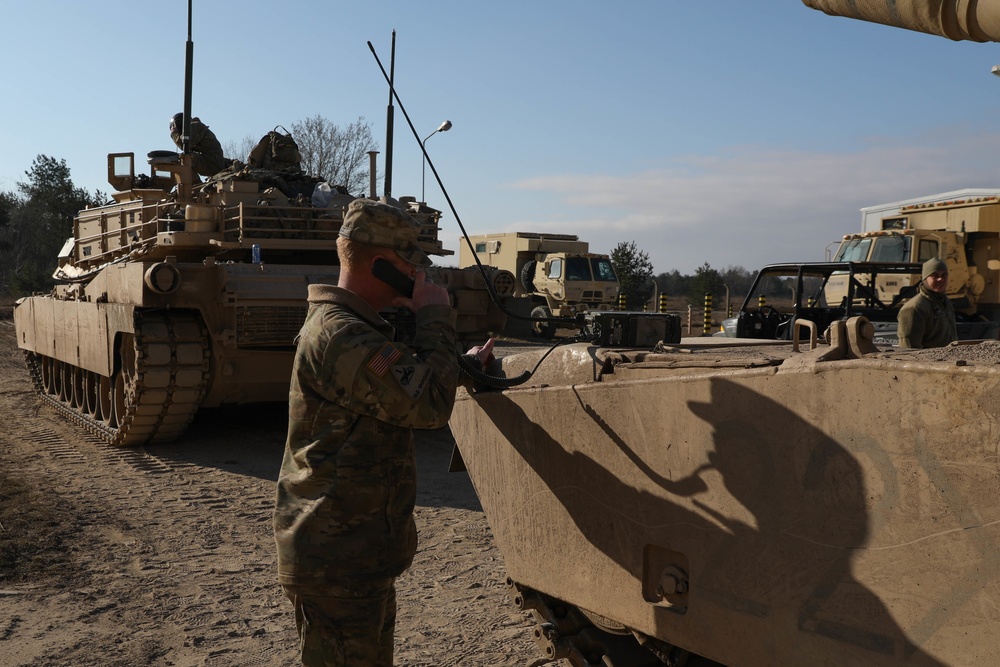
(755, 205)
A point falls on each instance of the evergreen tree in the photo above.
(635, 273)
(35, 224)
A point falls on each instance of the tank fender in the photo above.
(77, 332)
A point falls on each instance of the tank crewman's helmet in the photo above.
(176, 123)
(372, 222)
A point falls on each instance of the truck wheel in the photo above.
(542, 329)
(528, 275)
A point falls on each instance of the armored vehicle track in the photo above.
(161, 373)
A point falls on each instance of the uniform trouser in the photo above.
(348, 625)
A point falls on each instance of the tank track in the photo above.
(161, 375)
(585, 639)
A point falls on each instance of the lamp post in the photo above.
(444, 127)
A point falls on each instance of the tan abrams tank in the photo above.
(177, 296)
(748, 504)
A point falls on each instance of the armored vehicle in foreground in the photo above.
(723, 501)
(181, 294)
(748, 504)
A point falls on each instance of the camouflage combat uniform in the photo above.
(205, 147)
(344, 515)
(926, 320)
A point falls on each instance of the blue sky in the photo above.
(730, 132)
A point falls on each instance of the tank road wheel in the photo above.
(90, 401)
(48, 380)
(76, 377)
(66, 383)
(56, 371)
(124, 390)
(542, 329)
(105, 390)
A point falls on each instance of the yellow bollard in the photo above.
(663, 303)
(621, 302)
(761, 301)
(707, 325)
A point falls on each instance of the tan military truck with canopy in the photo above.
(556, 272)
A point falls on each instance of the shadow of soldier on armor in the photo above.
(778, 559)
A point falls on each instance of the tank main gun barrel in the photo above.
(973, 20)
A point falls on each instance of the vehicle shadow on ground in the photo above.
(250, 439)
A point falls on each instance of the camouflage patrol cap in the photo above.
(375, 223)
(933, 265)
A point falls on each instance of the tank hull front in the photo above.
(831, 513)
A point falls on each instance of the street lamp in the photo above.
(444, 127)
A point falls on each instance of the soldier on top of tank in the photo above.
(203, 145)
(343, 519)
(928, 319)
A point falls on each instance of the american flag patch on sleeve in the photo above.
(384, 358)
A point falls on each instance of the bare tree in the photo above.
(239, 150)
(336, 154)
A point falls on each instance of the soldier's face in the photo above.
(937, 282)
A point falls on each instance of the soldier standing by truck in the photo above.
(928, 319)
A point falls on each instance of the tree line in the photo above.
(641, 286)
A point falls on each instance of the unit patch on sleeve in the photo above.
(412, 379)
(383, 359)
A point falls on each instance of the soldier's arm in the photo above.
(404, 386)
(911, 329)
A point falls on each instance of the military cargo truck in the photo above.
(557, 272)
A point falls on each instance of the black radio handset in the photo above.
(389, 274)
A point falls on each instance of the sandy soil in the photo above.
(163, 556)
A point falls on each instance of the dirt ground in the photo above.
(163, 556)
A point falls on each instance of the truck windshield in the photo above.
(603, 269)
(891, 249)
(577, 268)
(853, 250)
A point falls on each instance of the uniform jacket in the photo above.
(926, 320)
(208, 157)
(347, 485)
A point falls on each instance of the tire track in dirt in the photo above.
(171, 556)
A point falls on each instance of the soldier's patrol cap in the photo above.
(934, 265)
(372, 222)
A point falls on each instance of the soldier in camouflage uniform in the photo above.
(203, 145)
(928, 319)
(343, 520)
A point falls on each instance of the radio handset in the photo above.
(389, 274)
